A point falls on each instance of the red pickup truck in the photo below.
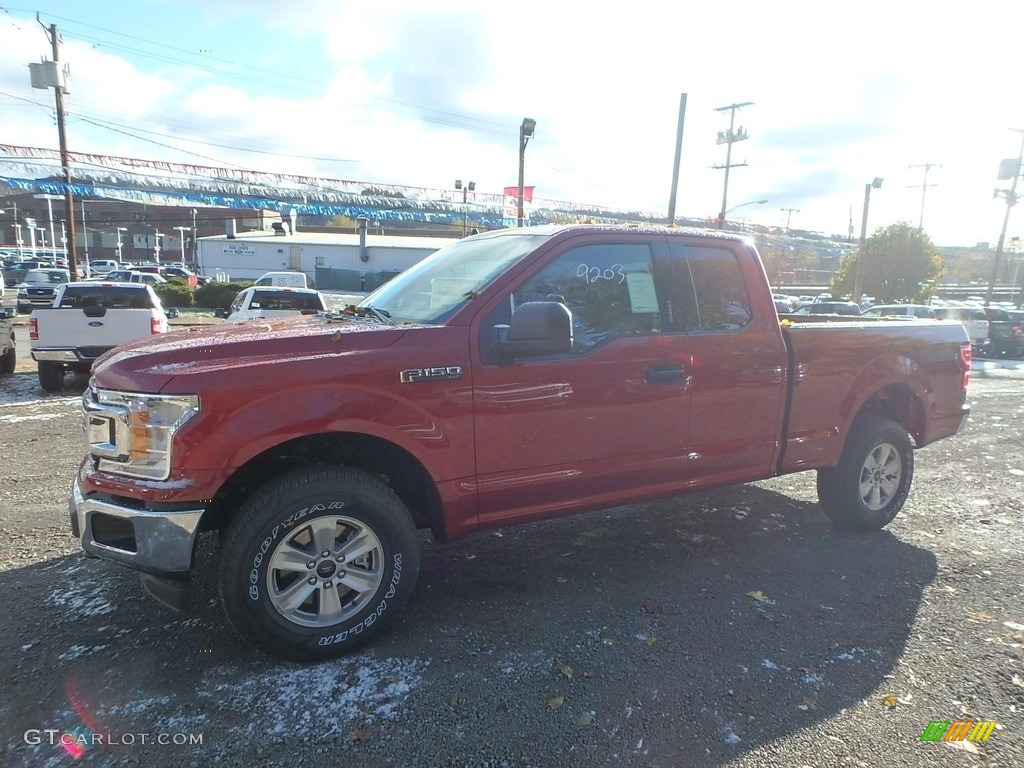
(510, 377)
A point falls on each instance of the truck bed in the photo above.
(834, 370)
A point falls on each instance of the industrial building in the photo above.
(331, 260)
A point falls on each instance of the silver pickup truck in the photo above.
(86, 320)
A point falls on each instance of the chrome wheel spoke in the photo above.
(361, 581)
(291, 597)
(324, 532)
(330, 606)
(287, 558)
(361, 544)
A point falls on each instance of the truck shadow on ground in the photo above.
(675, 632)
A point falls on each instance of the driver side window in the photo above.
(608, 287)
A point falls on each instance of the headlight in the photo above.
(131, 434)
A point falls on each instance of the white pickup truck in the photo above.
(86, 320)
(263, 302)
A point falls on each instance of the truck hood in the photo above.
(151, 363)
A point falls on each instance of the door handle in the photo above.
(669, 373)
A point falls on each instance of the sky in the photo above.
(420, 94)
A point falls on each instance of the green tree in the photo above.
(901, 264)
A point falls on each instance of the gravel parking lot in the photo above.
(731, 628)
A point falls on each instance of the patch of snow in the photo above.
(327, 697)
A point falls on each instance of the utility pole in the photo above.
(675, 163)
(789, 212)
(59, 86)
(729, 138)
(1011, 200)
(924, 187)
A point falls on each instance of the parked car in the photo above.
(39, 287)
(900, 310)
(828, 308)
(104, 266)
(170, 271)
(1005, 334)
(974, 320)
(129, 276)
(290, 279)
(260, 302)
(15, 274)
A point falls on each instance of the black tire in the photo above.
(51, 376)
(288, 523)
(9, 361)
(872, 480)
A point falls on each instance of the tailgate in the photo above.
(68, 328)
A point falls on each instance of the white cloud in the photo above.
(406, 93)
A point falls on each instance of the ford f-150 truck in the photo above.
(87, 320)
(511, 376)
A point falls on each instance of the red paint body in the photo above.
(518, 441)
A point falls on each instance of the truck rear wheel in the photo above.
(51, 376)
(871, 483)
(316, 562)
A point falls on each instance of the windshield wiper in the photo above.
(380, 315)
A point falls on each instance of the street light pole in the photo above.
(1011, 200)
(722, 216)
(525, 134)
(119, 231)
(469, 187)
(181, 238)
(195, 242)
(858, 280)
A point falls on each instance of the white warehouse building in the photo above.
(350, 261)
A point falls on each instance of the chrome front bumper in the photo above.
(148, 540)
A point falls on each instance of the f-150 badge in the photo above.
(413, 375)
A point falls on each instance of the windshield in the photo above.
(52, 276)
(432, 290)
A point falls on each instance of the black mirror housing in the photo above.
(538, 328)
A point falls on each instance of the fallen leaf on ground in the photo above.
(890, 700)
(453, 700)
(652, 607)
(556, 702)
(758, 595)
(584, 720)
(360, 735)
(566, 670)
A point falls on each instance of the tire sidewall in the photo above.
(270, 519)
(871, 434)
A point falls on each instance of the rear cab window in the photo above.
(82, 295)
(278, 300)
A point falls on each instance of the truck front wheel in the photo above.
(51, 376)
(872, 480)
(316, 562)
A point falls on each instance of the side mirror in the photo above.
(538, 328)
(220, 312)
(9, 312)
